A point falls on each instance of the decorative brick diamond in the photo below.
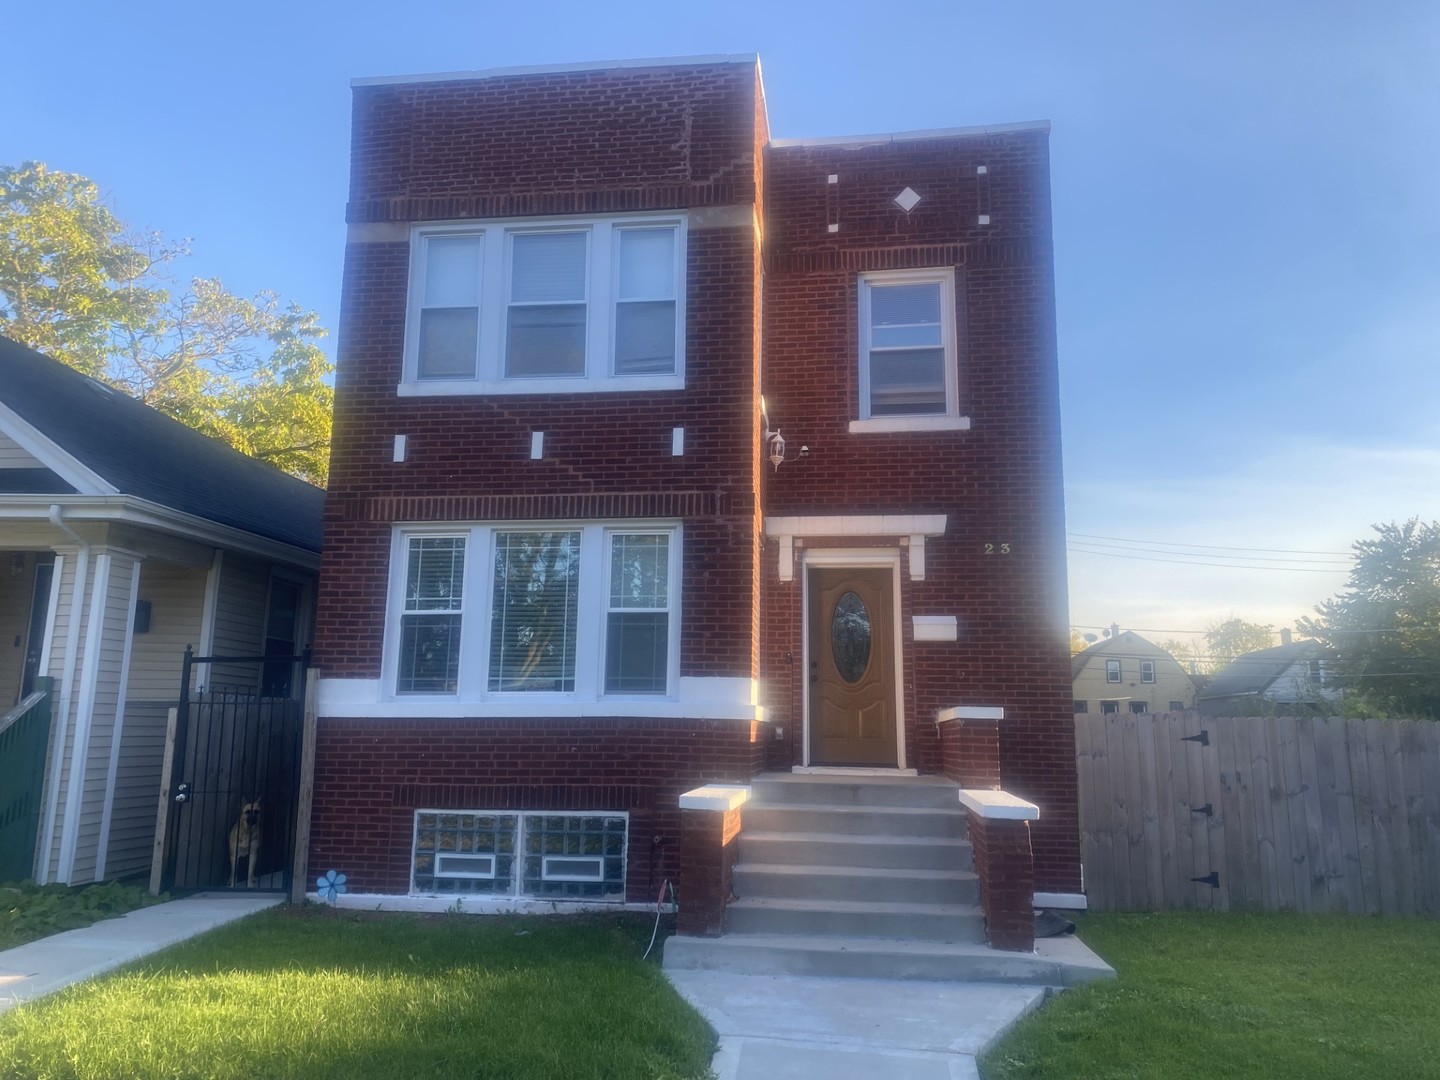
(907, 199)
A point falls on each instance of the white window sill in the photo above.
(578, 385)
(878, 424)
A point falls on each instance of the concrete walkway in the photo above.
(42, 967)
(783, 1027)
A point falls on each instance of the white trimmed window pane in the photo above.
(536, 601)
(546, 340)
(637, 652)
(645, 338)
(639, 570)
(452, 271)
(435, 575)
(907, 383)
(905, 305)
(905, 337)
(637, 636)
(448, 340)
(430, 626)
(547, 267)
(647, 264)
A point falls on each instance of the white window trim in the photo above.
(950, 419)
(477, 604)
(1119, 672)
(602, 284)
(1147, 676)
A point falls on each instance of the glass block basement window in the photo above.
(565, 856)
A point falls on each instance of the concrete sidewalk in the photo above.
(42, 967)
(783, 1027)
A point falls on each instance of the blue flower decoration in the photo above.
(330, 886)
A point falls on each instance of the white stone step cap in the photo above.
(998, 805)
(721, 797)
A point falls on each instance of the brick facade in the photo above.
(692, 138)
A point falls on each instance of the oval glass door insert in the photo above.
(850, 637)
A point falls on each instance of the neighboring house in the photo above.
(1128, 673)
(124, 537)
(1290, 678)
(572, 566)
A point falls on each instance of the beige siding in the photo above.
(1171, 683)
(137, 786)
(177, 601)
(13, 457)
(114, 630)
(240, 620)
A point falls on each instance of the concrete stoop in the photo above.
(868, 878)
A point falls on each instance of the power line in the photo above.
(1218, 547)
(1221, 566)
(1332, 563)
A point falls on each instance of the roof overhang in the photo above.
(46, 451)
(129, 510)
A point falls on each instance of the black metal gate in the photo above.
(236, 747)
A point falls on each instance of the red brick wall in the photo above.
(1003, 862)
(709, 850)
(371, 776)
(999, 483)
(665, 138)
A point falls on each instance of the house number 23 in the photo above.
(997, 549)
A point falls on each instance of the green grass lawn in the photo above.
(29, 911)
(1236, 996)
(310, 992)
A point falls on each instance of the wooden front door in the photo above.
(852, 667)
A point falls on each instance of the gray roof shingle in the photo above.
(146, 454)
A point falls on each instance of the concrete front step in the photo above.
(828, 849)
(862, 883)
(772, 789)
(852, 918)
(840, 819)
(1056, 961)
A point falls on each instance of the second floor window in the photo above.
(1147, 670)
(908, 347)
(546, 307)
(1112, 671)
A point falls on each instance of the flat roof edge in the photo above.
(554, 69)
(913, 136)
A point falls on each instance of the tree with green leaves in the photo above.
(1384, 627)
(1232, 637)
(79, 286)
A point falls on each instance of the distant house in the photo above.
(1128, 673)
(124, 537)
(1293, 677)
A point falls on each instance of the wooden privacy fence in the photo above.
(1316, 814)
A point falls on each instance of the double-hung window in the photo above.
(577, 612)
(1147, 671)
(908, 351)
(569, 306)
(1112, 671)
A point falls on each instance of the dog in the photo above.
(245, 842)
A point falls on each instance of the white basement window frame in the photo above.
(908, 352)
(612, 584)
(558, 855)
(562, 305)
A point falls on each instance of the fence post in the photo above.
(307, 788)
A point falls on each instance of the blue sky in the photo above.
(1247, 204)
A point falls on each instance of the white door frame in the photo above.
(853, 559)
